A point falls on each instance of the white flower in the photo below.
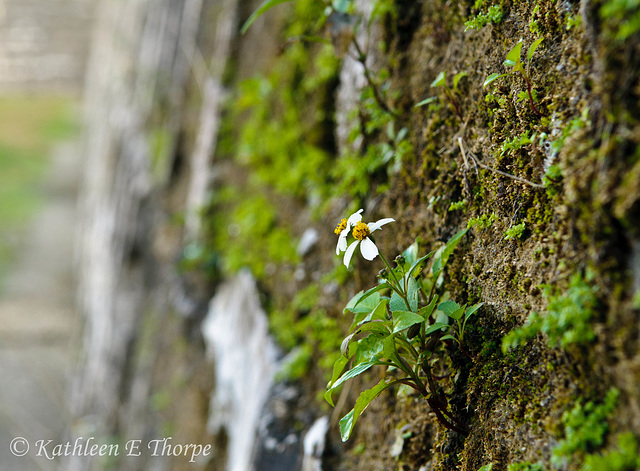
(343, 230)
(361, 232)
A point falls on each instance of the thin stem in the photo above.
(398, 290)
(410, 348)
(362, 58)
(486, 167)
(533, 106)
(453, 102)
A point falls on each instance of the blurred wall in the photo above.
(44, 44)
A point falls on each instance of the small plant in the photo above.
(585, 427)
(457, 205)
(568, 317)
(493, 15)
(513, 60)
(515, 231)
(397, 324)
(483, 221)
(516, 143)
(441, 81)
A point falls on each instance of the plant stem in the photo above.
(533, 106)
(398, 288)
(362, 58)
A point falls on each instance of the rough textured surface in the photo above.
(147, 166)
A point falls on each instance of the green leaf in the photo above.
(352, 302)
(368, 349)
(405, 319)
(381, 327)
(418, 263)
(533, 48)
(352, 373)
(344, 346)
(451, 309)
(412, 294)
(458, 314)
(363, 304)
(348, 421)
(436, 326)
(410, 254)
(379, 313)
(472, 310)
(338, 367)
(457, 78)
(448, 337)
(426, 311)
(513, 56)
(266, 5)
(397, 303)
(389, 349)
(370, 291)
(492, 77)
(440, 80)
(426, 101)
(358, 319)
(449, 306)
(486, 467)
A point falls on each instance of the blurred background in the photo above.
(44, 46)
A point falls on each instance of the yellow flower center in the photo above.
(341, 227)
(361, 231)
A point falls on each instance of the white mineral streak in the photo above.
(352, 78)
(210, 79)
(314, 443)
(245, 361)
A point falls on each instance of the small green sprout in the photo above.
(515, 231)
(457, 205)
(513, 60)
(441, 81)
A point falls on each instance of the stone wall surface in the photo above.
(170, 144)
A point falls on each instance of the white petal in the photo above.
(354, 218)
(349, 253)
(374, 226)
(368, 249)
(342, 244)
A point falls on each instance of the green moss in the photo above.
(625, 457)
(585, 428)
(567, 320)
(525, 467)
(622, 17)
(515, 231)
(484, 221)
(246, 233)
(492, 15)
(308, 332)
